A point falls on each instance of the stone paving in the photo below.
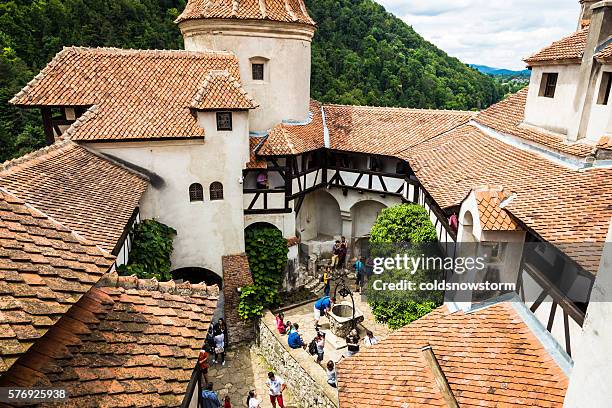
(244, 370)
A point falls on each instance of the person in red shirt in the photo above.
(203, 362)
(280, 324)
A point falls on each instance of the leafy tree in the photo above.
(403, 230)
(267, 251)
(151, 251)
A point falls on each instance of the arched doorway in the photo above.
(196, 275)
(319, 217)
(363, 216)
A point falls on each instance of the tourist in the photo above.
(331, 374)
(294, 340)
(223, 328)
(203, 362)
(322, 306)
(369, 339)
(342, 253)
(252, 401)
(209, 398)
(262, 181)
(280, 324)
(453, 222)
(219, 347)
(289, 327)
(227, 402)
(320, 342)
(335, 254)
(352, 343)
(276, 385)
(326, 281)
(359, 272)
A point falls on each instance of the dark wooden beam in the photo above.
(47, 125)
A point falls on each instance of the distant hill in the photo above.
(500, 71)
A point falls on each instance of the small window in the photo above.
(216, 191)
(604, 89)
(224, 120)
(196, 192)
(258, 71)
(548, 84)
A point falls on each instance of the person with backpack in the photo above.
(320, 347)
(210, 398)
(322, 306)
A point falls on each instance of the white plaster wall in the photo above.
(205, 230)
(285, 91)
(364, 215)
(600, 120)
(557, 114)
(590, 380)
(284, 222)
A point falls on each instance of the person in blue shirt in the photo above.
(359, 272)
(209, 398)
(322, 306)
(294, 339)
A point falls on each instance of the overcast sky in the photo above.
(498, 33)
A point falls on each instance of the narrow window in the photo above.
(224, 120)
(216, 191)
(604, 89)
(258, 71)
(549, 84)
(196, 192)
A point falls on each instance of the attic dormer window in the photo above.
(224, 121)
(548, 86)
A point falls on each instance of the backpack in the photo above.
(312, 347)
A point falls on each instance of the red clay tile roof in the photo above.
(605, 54)
(290, 11)
(568, 49)
(550, 199)
(605, 143)
(255, 162)
(85, 192)
(492, 216)
(121, 347)
(134, 94)
(295, 139)
(507, 116)
(44, 269)
(387, 131)
(490, 358)
(221, 90)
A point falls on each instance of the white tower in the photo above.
(272, 40)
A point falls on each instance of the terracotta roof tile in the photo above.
(44, 270)
(124, 354)
(80, 189)
(507, 117)
(492, 216)
(221, 90)
(289, 11)
(255, 162)
(490, 358)
(133, 94)
(550, 199)
(605, 142)
(569, 48)
(605, 54)
(387, 131)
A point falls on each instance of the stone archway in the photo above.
(319, 217)
(363, 216)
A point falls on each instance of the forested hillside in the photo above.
(361, 55)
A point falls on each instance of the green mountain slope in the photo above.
(361, 55)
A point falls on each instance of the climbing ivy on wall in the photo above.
(403, 229)
(267, 251)
(151, 251)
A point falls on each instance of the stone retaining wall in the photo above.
(303, 376)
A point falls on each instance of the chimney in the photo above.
(585, 12)
(600, 30)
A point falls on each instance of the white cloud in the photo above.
(498, 33)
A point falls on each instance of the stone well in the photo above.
(341, 319)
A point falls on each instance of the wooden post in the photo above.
(48, 125)
(439, 376)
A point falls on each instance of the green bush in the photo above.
(403, 229)
(267, 251)
(151, 251)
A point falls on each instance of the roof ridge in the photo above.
(89, 113)
(12, 163)
(113, 280)
(210, 77)
(152, 51)
(424, 110)
(581, 31)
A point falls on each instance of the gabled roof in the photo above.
(133, 94)
(44, 269)
(507, 117)
(492, 216)
(490, 357)
(128, 342)
(568, 49)
(80, 189)
(221, 90)
(289, 11)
